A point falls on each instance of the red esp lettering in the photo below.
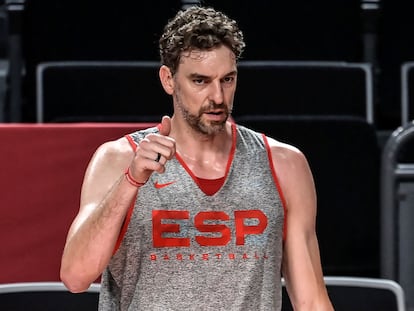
(200, 223)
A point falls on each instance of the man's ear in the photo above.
(167, 79)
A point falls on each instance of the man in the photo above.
(197, 213)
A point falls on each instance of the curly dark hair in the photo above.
(198, 28)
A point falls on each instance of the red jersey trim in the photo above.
(211, 186)
(124, 227)
(279, 188)
(131, 208)
(131, 142)
(229, 161)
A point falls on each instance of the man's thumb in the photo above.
(165, 126)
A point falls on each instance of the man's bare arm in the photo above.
(301, 260)
(106, 197)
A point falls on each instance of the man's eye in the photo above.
(198, 81)
(228, 79)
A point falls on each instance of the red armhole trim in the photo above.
(279, 189)
(131, 142)
(124, 227)
(131, 208)
(233, 147)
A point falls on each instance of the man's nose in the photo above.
(216, 92)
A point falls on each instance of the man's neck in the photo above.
(206, 156)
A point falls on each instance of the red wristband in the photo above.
(132, 180)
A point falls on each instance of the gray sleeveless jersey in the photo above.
(185, 250)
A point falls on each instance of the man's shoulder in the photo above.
(286, 154)
(116, 148)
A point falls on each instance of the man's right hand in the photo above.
(153, 147)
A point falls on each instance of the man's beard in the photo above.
(195, 120)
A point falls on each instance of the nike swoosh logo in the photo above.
(159, 186)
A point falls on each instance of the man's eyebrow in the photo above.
(231, 73)
(198, 76)
(195, 75)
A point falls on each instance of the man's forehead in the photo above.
(198, 55)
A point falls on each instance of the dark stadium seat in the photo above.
(100, 92)
(397, 213)
(46, 296)
(358, 293)
(304, 88)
